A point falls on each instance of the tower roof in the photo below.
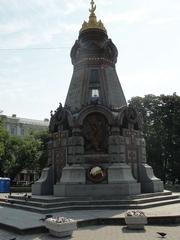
(92, 23)
(94, 80)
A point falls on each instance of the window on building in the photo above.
(13, 131)
(22, 131)
(95, 93)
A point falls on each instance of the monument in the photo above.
(97, 146)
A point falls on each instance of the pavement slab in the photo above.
(104, 233)
(19, 219)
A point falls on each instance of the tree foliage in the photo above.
(17, 153)
(3, 145)
(162, 132)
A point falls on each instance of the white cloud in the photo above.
(163, 20)
(129, 17)
(139, 84)
(39, 36)
(104, 3)
(12, 27)
(73, 6)
(10, 61)
(11, 88)
(39, 23)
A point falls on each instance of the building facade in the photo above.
(17, 126)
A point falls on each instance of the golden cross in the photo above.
(93, 7)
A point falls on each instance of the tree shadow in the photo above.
(125, 229)
(51, 237)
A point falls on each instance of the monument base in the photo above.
(74, 182)
(96, 190)
(150, 183)
(44, 186)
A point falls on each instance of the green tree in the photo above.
(24, 153)
(12, 161)
(17, 153)
(4, 137)
(162, 132)
(43, 137)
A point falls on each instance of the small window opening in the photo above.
(95, 93)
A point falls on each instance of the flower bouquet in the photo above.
(96, 174)
(61, 226)
(135, 219)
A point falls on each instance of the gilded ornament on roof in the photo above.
(92, 23)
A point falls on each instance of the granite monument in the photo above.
(97, 146)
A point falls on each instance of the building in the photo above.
(26, 177)
(17, 126)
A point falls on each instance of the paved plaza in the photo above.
(23, 219)
(105, 233)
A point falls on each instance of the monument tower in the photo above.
(97, 146)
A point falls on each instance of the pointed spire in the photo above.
(93, 23)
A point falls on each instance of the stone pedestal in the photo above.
(120, 182)
(96, 190)
(44, 186)
(74, 174)
(120, 173)
(149, 183)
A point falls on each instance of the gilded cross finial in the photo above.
(93, 7)
(92, 23)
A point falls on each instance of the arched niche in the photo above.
(95, 109)
(95, 130)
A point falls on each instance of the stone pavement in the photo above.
(105, 233)
(23, 219)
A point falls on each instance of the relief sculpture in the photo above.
(95, 132)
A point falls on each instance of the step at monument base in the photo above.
(50, 204)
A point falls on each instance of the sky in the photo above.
(36, 37)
